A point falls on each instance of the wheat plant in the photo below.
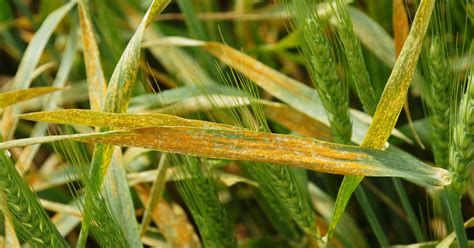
(237, 123)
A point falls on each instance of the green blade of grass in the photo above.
(371, 217)
(15, 96)
(23, 77)
(348, 231)
(412, 219)
(455, 213)
(391, 102)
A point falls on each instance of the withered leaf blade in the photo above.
(11, 97)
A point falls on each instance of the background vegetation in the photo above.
(243, 123)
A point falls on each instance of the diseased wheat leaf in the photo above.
(120, 88)
(116, 99)
(390, 104)
(378, 41)
(115, 176)
(95, 76)
(15, 96)
(115, 185)
(262, 147)
(105, 119)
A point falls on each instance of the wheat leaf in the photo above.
(95, 76)
(124, 120)
(115, 185)
(376, 40)
(15, 96)
(120, 88)
(262, 147)
(117, 190)
(116, 99)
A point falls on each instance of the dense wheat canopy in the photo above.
(241, 123)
